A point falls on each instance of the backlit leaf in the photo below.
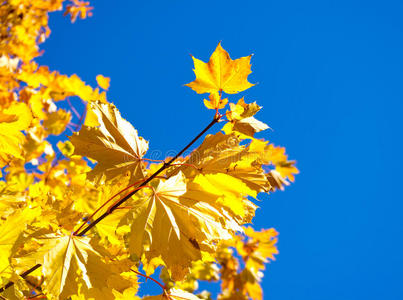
(115, 145)
(221, 73)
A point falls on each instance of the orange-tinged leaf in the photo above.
(103, 82)
(57, 121)
(78, 9)
(221, 73)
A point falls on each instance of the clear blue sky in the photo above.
(330, 79)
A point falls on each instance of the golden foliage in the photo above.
(187, 215)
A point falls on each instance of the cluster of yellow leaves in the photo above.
(78, 8)
(187, 219)
(239, 264)
(257, 249)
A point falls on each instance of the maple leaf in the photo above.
(72, 266)
(259, 248)
(10, 231)
(127, 294)
(173, 294)
(103, 82)
(13, 120)
(172, 225)
(256, 248)
(229, 170)
(284, 169)
(221, 73)
(115, 145)
(57, 121)
(241, 119)
(215, 101)
(78, 8)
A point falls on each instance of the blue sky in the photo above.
(330, 80)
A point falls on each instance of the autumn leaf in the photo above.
(221, 73)
(241, 119)
(222, 166)
(103, 82)
(127, 294)
(172, 225)
(284, 169)
(57, 121)
(259, 248)
(115, 145)
(10, 231)
(13, 120)
(69, 261)
(215, 101)
(78, 9)
(173, 294)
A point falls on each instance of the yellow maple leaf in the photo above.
(241, 119)
(56, 122)
(78, 8)
(284, 170)
(127, 294)
(115, 145)
(103, 82)
(221, 73)
(173, 294)
(231, 190)
(10, 230)
(227, 169)
(71, 266)
(13, 120)
(259, 248)
(172, 225)
(215, 101)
